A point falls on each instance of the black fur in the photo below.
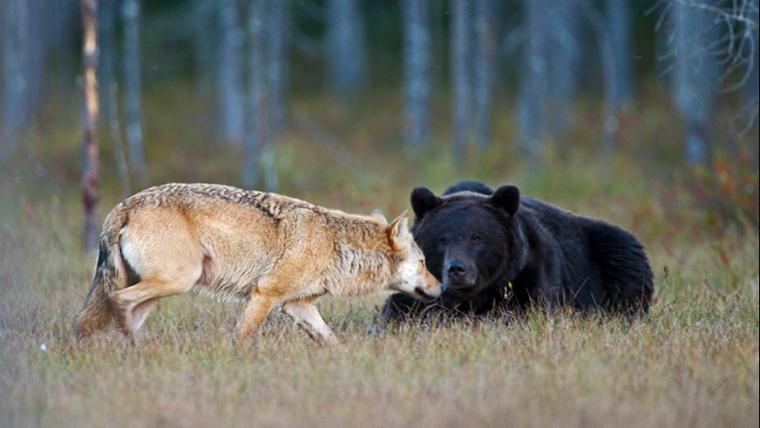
(495, 250)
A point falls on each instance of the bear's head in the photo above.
(472, 241)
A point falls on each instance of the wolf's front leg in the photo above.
(307, 316)
(255, 313)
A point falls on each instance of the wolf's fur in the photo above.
(266, 248)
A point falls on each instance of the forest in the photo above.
(643, 113)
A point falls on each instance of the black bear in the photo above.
(496, 250)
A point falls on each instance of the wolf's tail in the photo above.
(110, 275)
(624, 266)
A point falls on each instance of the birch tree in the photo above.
(132, 89)
(230, 78)
(258, 148)
(15, 85)
(90, 137)
(205, 41)
(417, 55)
(277, 24)
(484, 64)
(108, 84)
(533, 82)
(695, 75)
(562, 55)
(618, 20)
(461, 76)
(346, 56)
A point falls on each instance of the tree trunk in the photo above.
(533, 82)
(132, 88)
(695, 76)
(619, 34)
(90, 137)
(230, 79)
(258, 149)
(345, 47)
(205, 39)
(461, 76)
(109, 93)
(562, 58)
(606, 48)
(417, 50)
(277, 29)
(15, 38)
(485, 58)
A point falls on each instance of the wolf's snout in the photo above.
(429, 292)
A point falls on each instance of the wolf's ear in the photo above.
(423, 201)
(398, 232)
(506, 198)
(377, 214)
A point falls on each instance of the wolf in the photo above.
(267, 249)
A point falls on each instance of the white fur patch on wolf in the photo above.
(130, 254)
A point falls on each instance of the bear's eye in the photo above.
(476, 238)
(444, 239)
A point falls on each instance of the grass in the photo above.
(692, 362)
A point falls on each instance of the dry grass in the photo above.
(692, 362)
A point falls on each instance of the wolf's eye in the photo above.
(422, 262)
(475, 238)
(444, 239)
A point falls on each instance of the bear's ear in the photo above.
(506, 198)
(423, 201)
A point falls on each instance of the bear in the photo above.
(497, 252)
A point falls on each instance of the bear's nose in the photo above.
(456, 269)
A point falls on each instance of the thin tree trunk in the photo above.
(619, 19)
(230, 79)
(695, 76)
(15, 83)
(109, 96)
(417, 52)
(204, 41)
(89, 139)
(277, 29)
(461, 76)
(609, 73)
(485, 58)
(562, 54)
(132, 88)
(258, 150)
(533, 84)
(345, 47)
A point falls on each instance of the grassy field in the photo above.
(692, 362)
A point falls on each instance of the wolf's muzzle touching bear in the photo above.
(496, 250)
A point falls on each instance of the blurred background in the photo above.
(645, 112)
(640, 112)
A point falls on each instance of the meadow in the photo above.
(693, 361)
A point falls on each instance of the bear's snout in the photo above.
(457, 274)
(456, 269)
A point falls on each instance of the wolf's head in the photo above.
(410, 275)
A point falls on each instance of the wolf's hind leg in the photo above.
(140, 313)
(307, 316)
(255, 313)
(133, 304)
